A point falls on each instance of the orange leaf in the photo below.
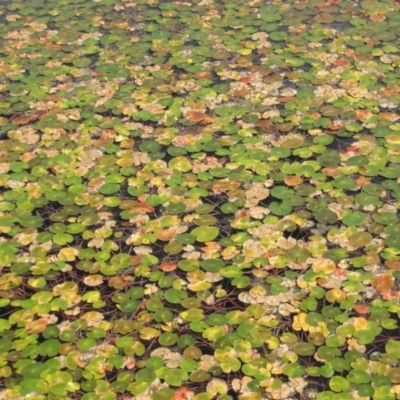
(203, 75)
(165, 234)
(342, 62)
(362, 114)
(389, 116)
(377, 18)
(143, 208)
(37, 326)
(195, 116)
(182, 393)
(335, 125)
(330, 171)
(142, 198)
(293, 180)
(168, 266)
(362, 180)
(211, 247)
(383, 282)
(108, 133)
(361, 308)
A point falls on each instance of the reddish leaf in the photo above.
(390, 294)
(246, 79)
(340, 272)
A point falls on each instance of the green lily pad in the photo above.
(205, 233)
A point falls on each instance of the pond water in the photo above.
(199, 199)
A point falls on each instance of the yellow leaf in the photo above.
(299, 323)
(360, 323)
(244, 52)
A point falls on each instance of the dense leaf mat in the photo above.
(199, 199)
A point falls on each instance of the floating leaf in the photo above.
(205, 233)
(383, 282)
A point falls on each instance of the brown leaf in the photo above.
(372, 258)
(117, 282)
(342, 62)
(135, 260)
(243, 92)
(103, 142)
(389, 116)
(22, 120)
(142, 208)
(285, 99)
(393, 265)
(263, 123)
(203, 75)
